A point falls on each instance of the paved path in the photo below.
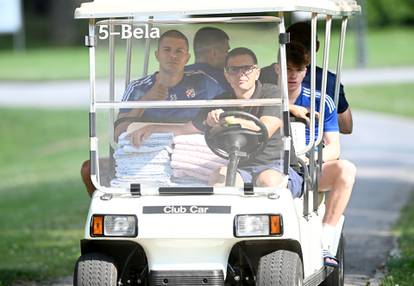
(73, 94)
(382, 147)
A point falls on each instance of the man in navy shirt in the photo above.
(210, 50)
(337, 175)
(301, 32)
(169, 83)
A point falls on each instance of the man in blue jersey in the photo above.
(301, 32)
(169, 83)
(210, 46)
(337, 175)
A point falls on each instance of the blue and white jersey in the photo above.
(193, 86)
(217, 74)
(330, 123)
(330, 87)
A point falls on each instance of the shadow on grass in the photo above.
(8, 276)
(40, 230)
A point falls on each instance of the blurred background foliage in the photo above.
(384, 12)
(51, 22)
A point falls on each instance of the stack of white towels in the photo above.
(192, 162)
(147, 164)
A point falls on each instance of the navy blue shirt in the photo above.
(330, 87)
(193, 86)
(217, 74)
(268, 75)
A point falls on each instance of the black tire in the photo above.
(95, 269)
(282, 268)
(336, 278)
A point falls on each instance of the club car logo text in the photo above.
(129, 31)
(186, 209)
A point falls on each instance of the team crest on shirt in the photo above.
(190, 92)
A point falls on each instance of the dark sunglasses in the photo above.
(247, 69)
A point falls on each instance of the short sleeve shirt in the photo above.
(330, 87)
(268, 75)
(274, 145)
(330, 123)
(193, 86)
(217, 74)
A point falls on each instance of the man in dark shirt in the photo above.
(210, 50)
(265, 168)
(301, 32)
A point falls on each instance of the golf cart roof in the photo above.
(162, 8)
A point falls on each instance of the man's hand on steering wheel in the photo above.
(244, 123)
(213, 117)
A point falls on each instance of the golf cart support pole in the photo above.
(128, 58)
(321, 118)
(310, 146)
(147, 49)
(93, 153)
(285, 97)
(340, 59)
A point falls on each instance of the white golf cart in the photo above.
(156, 224)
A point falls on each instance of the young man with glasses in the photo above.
(265, 169)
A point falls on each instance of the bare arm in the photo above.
(332, 148)
(157, 92)
(345, 121)
(272, 124)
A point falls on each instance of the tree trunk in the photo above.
(64, 29)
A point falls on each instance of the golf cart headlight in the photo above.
(114, 225)
(258, 225)
(119, 225)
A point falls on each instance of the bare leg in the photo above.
(338, 177)
(86, 177)
(269, 178)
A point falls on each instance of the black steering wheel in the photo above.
(225, 137)
(233, 142)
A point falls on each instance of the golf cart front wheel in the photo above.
(95, 269)
(282, 267)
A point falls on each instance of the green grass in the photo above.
(401, 269)
(386, 47)
(394, 99)
(43, 203)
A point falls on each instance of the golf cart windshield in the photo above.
(155, 91)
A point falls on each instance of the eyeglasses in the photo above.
(233, 70)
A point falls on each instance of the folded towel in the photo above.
(195, 155)
(195, 161)
(178, 173)
(193, 148)
(193, 167)
(191, 139)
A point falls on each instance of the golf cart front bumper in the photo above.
(183, 278)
